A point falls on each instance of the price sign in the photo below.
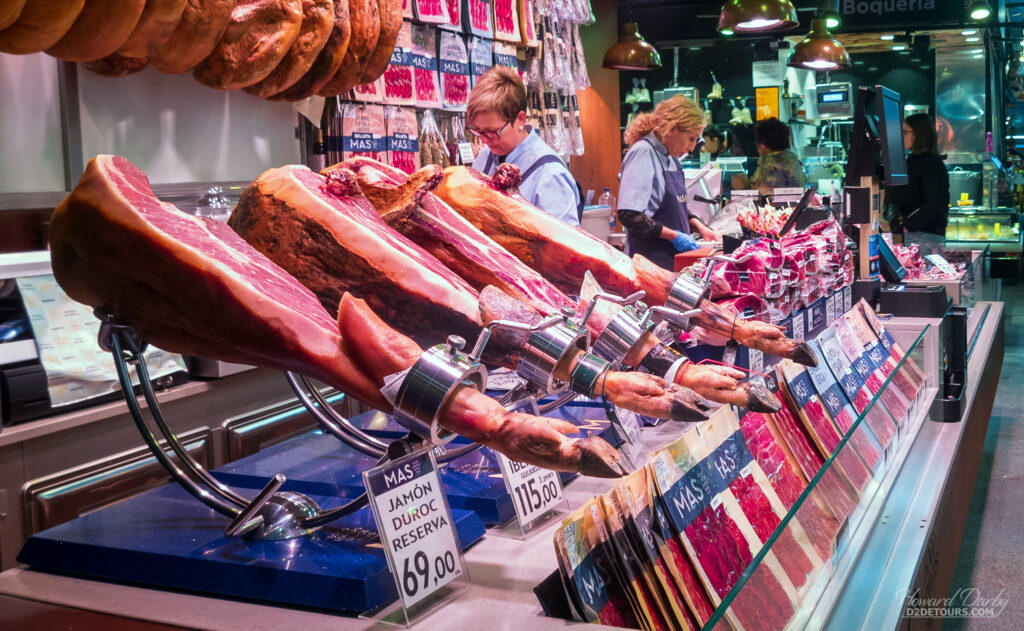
(798, 327)
(940, 262)
(830, 309)
(534, 491)
(756, 360)
(466, 153)
(415, 525)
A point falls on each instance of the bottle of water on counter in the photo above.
(607, 199)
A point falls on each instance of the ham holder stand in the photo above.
(422, 392)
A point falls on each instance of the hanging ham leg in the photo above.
(324, 232)
(191, 285)
(563, 254)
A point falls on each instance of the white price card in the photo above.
(504, 380)
(415, 525)
(940, 262)
(534, 491)
(756, 360)
(798, 326)
(830, 309)
(466, 153)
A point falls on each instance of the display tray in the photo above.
(318, 464)
(166, 538)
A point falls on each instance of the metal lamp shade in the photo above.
(747, 16)
(819, 51)
(631, 52)
(980, 10)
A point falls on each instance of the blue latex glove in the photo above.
(684, 242)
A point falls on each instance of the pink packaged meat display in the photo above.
(527, 26)
(407, 11)
(748, 307)
(403, 138)
(716, 533)
(762, 507)
(398, 82)
(867, 370)
(863, 441)
(431, 11)
(424, 61)
(372, 92)
(364, 132)
(454, 71)
(454, 16)
(506, 20)
(480, 18)
(736, 279)
(481, 57)
(911, 379)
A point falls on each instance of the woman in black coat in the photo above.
(923, 203)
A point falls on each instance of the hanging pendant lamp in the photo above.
(749, 16)
(979, 10)
(819, 50)
(631, 52)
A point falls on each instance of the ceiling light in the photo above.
(888, 38)
(978, 50)
(831, 18)
(899, 46)
(727, 32)
(859, 62)
(819, 50)
(631, 52)
(970, 32)
(978, 56)
(972, 39)
(980, 10)
(873, 69)
(758, 15)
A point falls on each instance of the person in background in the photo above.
(715, 142)
(652, 190)
(778, 167)
(496, 114)
(923, 203)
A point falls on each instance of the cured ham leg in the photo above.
(191, 285)
(407, 204)
(324, 232)
(563, 254)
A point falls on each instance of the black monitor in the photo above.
(876, 143)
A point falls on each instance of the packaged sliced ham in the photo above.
(717, 535)
(891, 398)
(853, 386)
(586, 565)
(364, 132)
(403, 138)
(455, 19)
(758, 500)
(506, 20)
(431, 11)
(398, 76)
(372, 92)
(527, 25)
(481, 57)
(407, 11)
(682, 593)
(478, 16)
(505, 55)
(454, 62)
(424, 61)
(913, 371)
(876, 355)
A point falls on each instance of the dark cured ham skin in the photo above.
(821, 527)
(762, 517)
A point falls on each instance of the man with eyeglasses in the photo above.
(496, 113)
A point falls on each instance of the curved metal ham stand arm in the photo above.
(271, 515)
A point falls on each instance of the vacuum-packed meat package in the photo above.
(479, 15)
(454, 71)
(431, 11)
(527, 26)
(364, 132)
(455, 20)
(372, 92)
(424, 61)
(481, 57)
(403, 138)
(890, 398)
(506, 20)
(398, 81)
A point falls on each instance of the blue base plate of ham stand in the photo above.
(166, 539)
(317, 464)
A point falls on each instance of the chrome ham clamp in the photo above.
(271, 515)
(624, 330)
(687, 292)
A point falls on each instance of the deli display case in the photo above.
(970, 226)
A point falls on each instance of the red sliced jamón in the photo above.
(504, 20)
(425, 85)
(762, 517)
(398, 82)
(404, 160)
(454, 15)
(785, 479)
(860, 442)
(455, 89)
(478, 11)
(684, 577)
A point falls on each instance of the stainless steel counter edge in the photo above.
(875, 590)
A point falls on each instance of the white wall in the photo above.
(172, 127)
(31, 158)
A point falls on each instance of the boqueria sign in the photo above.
(897, 13)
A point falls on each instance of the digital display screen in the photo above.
(832, 97)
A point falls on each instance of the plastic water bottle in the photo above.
(607, 199)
